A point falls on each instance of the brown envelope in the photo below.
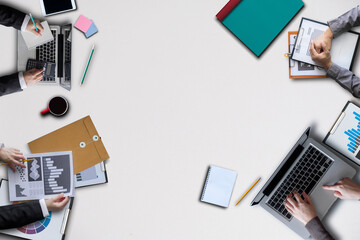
(80, 137)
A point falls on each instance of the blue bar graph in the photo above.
(354, 135)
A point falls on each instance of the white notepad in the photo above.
(32, 40)
(218, 186)
(343, 47)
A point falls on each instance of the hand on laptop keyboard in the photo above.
(33, 76)
(301, 208)
(345, 189)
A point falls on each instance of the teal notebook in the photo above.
(257, 22)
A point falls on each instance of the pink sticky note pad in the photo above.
(83, 23)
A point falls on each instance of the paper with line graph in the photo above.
(47, 175)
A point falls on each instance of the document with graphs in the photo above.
(46, 175)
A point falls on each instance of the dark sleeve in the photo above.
(317, 230)
(11, 17)
(9, 84)
(345, 78)
(345, 22)
(21, 214)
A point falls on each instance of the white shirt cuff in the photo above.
(1, 145)
(25, 23)
(44, 207)
(22, 80)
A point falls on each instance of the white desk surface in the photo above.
(172, 91)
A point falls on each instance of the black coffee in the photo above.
(58, 105)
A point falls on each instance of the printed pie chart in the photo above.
(36, 227)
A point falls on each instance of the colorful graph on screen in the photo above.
(36, 227)
(354, 136)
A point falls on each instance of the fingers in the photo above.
(36, 72)
(313, 52)
(63, 202)
(323, 46)
(60, 201)
(289, 209)
(58, 197)
(338, 194)
(19, 163)
(331, 187)
(19, 156)
(290, 200)
(35, 75)
(297, 196)
(307, 198)
(39, 26)
(12, 167)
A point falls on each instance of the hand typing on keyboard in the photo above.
(345, 189)
(31, 28)
(302, 209)
(33, 76)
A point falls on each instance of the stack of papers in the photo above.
(86, 26)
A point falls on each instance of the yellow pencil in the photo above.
(26, 160)
(248, 191)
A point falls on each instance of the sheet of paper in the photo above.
(32, 40)
(91, 176)
(219, 186)
(342, 49)
(52, 227)
(83, 24)
(300, 68)
(48, 175)
(345, 136)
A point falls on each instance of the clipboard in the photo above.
(299, 70)
(92, 176)
(80, 137)
(344, 135)
(51, 227)
(343, 47)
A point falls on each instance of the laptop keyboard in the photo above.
(303, 177)
(47, 53)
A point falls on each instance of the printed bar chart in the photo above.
(53, 177)
(354, 135)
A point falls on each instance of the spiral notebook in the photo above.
(218, 186)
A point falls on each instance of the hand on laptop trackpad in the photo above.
(323, 200)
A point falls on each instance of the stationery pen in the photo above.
(87, 65)
(26, 160)
(248, 191)
(32, 19)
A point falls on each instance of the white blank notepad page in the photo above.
(219, 186)
(32, 40)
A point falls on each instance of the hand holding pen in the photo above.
(34, 26)
(12, 157)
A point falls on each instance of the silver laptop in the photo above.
(307, 167)
(56, 52)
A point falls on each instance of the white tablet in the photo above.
(51, 7)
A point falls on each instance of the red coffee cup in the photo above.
(58, 106)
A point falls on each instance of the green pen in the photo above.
(32, 19)
(87, 65)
